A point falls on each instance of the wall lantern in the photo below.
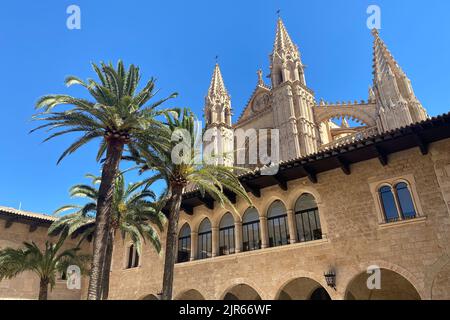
(330, 278)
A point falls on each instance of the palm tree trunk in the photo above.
(107, 267)
(43, 289)
(170, 255)
(103, 217)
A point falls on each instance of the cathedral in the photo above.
(306, 125)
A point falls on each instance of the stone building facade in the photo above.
(347, 202)
(413, 253)
(349, 205)
(18, 226)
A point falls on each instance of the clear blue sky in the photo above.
(176, 41)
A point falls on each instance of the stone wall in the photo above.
(26, 285)
(412, 251)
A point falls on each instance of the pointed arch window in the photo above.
(184, 244)
(226, 235)
(307, 218)
(251, 239)
(204, 240)
(277, 224)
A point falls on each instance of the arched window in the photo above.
(405, 201)
(184, 244)
(307, 218)
(226, 235)
(133, 257)
(277, 224)
(204, 240)
(389, 205)
(251, 240)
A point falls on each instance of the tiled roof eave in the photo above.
(27, 214)
(442, 121)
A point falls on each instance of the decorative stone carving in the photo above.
(260, 102)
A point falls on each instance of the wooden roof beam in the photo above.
(311, 173)
(382, 156)
(281, 181)
(423, 146)
(33, 227)
(344, 164)
(231, 196)
(255, 190)
(207, 201)
(188, 209)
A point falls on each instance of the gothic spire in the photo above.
(285, 61)
(217, 101)
(217, 86)
(392, 90)
(383, 61)
(283, 43)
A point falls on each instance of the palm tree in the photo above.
(133, 215)
(211, 179)
(46, 264)
(120, 117)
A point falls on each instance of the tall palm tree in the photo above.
(119, 116)
(45, 263)
(133, 215)
(210, 179)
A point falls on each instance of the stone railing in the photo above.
(361, 135)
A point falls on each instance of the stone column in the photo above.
(291, 225)
(215, 241)
(264, 232)
(194, 246)
(293, 126)
(238, 236)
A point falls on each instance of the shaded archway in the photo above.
(303, 289)
(226, 235)
(393, 286)
(241, 292)
(184, 243)
(277, 224)
(251, 238)
(440, 287)
(307, 219)
(191, 294)
(204, 240)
